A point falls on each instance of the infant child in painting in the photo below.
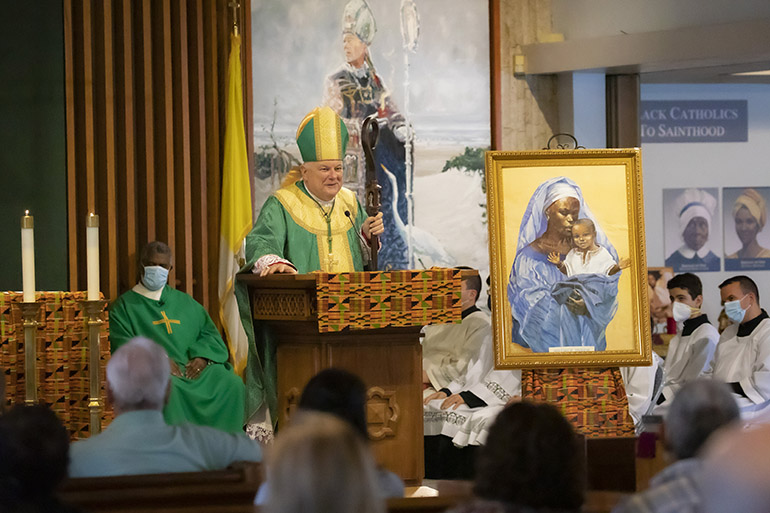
(587, 257)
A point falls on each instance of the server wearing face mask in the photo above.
(692, 348)
(742, 357)
(204, 388)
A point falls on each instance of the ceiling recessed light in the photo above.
(762, 73)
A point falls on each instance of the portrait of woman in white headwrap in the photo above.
(749, 212)
(551, 309)
(693, 214)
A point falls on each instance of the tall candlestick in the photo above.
(92, 256)
(28, 257)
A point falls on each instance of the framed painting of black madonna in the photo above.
(567, 258)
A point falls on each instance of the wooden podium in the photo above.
(388, 359)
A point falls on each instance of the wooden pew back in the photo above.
(231, 490)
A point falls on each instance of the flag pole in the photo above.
(235, 6)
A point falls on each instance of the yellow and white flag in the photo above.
(235, 210)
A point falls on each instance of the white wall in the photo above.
(578, 19)
(673, 165)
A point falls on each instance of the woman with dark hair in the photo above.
(339, 392)
(531, 463)
(342, 394)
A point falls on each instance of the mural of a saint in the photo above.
(355, 91)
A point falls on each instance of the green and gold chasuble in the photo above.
(293, 226)
(183, 327)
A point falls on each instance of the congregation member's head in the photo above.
(34, 452)
(156, 261)
(532, 460)
(320, 464)
(737, 471)
(340, 393)
(343, 394)
(686, 293)
(138, 376)
(699, 409)
(740, 298)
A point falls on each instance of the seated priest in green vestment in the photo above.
(312, 223)
(204, 388)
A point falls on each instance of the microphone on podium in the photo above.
(362, 242)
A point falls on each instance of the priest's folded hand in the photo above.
(175, 371)
(373, 225)
(434, 395)
(453, 401)
(195, 367)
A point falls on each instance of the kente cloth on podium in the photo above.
(62, 357)
(593, 400)
(183, 327)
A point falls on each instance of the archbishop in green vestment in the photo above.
(311, 223)
(204, 388)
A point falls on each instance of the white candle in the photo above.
(28, 257)
(92, 256)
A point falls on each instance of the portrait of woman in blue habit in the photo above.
(552, 309)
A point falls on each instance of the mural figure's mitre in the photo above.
(358, 19)
(322, 136)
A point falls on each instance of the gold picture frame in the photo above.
(564, 305)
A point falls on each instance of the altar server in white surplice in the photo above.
(643, 385)
(691, 350)
(448, 349)
(742, 357)
(466, 414)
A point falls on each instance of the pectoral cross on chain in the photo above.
(168, 322)
(331, 262)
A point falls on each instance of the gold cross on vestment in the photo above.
(331, 262)
(168, 322)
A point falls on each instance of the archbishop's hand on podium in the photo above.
(373, 225)
(278, 268)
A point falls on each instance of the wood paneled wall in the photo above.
(145, 106)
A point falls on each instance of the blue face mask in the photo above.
(155, 277)
(734, 312)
